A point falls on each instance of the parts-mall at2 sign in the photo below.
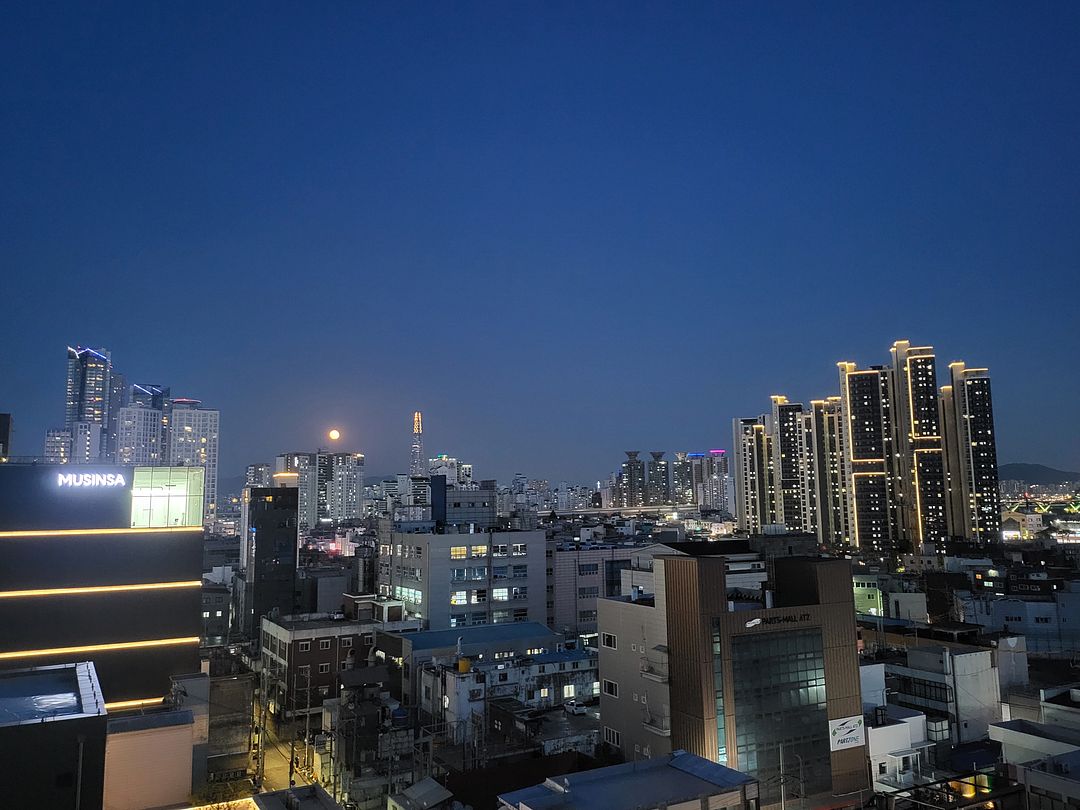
(847, 732)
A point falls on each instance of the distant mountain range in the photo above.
(1035, 474)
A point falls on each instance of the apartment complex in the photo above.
(462, 580)
(890, 463)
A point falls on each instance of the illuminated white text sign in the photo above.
(90, 480)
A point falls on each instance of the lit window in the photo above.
(500, 594)
(459, 552)
(479, 551)
(206, 614)
(568, 691)
(459, 598)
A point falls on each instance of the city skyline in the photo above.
(326, 441)
(634, 231)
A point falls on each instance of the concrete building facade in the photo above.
(461, 580)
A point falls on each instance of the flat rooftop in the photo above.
(482, 634)
(301, 623)
(655, 782)
(42, 694)
(308, 797)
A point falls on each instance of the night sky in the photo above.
(560, 230)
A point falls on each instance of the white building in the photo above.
(138, 439)
(1044, 754)
(960, 684)
(345, 489)
(193, 442)
(899, 751)
(1046, 612)
(458, 580)
(331, 486)
(457, 693)
(85, 442)
(58, 446)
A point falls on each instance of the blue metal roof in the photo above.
(645, 783)
(482, 634)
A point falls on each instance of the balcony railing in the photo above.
(657, 724)
(654, 671)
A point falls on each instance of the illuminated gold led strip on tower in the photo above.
(133, 704)
(149, 586)
(95, 532)
(92, 648)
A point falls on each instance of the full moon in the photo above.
(334, 434)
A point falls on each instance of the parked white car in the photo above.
(574, 707)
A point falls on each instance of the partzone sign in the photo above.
(90, 480)
(847, 732)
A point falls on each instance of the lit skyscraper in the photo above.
(632, 480)
(88, 392)
(88, 374)
(259, 475)
(193, 442)
(330, 486)
(919, 469)
(416, 464)
(755, 492)
(709, 474)
(138, 439)
(866, 400)
(658, 489)
(967, 413)
(345, 489)
(118, 398)
(682, 479)
(827, 438)
(791, 470)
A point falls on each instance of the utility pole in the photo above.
(261, 769)
(292, 735)
(307, 721)
(783, 802)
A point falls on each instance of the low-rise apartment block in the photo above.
(464, 580)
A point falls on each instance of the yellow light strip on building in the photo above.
(149, 586)
(96, 532)
(133, 704)
(92, 648)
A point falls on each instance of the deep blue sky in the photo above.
(561, 230)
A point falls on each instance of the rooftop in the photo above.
(42, 694)
(1046, 731)
(553, 657)
(425, 793)
(317, 622)
(1064, 698)
(436, 639)
(654, 782)
(308, 797)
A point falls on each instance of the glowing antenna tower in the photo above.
(416, 467)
